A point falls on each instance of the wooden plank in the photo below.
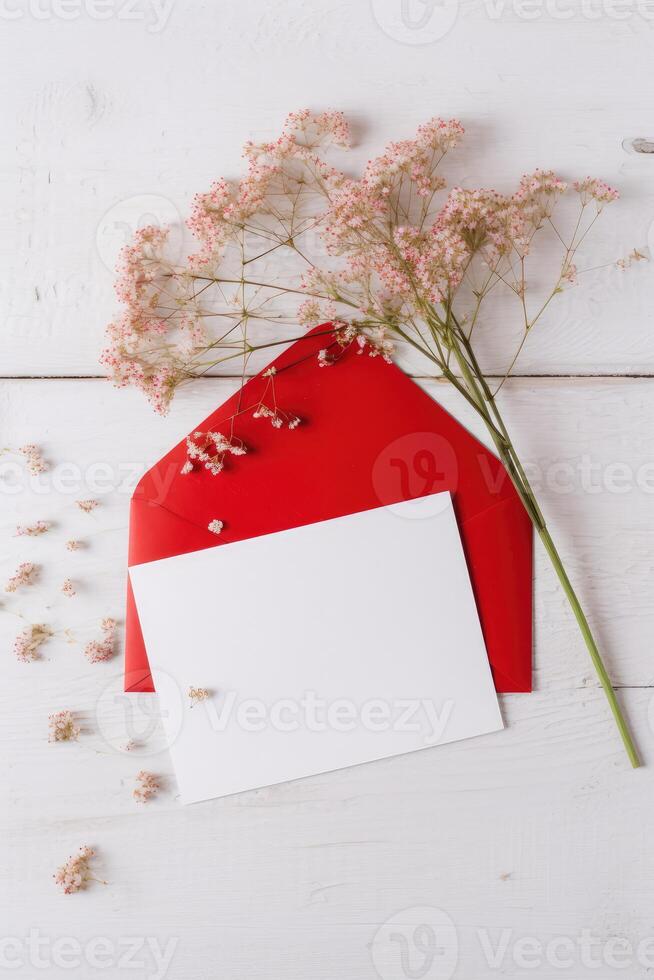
(587, 444)
(541, 830)
(504, 833)
(90, 154)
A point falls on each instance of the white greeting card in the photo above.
(321, 647)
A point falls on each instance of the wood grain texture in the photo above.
(90, 152)
(541, 830)
(508, 832)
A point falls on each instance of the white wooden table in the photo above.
(528, 853)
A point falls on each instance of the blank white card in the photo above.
(321, 647)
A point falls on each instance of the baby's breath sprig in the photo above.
(394, 257)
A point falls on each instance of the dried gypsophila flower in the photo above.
(377, 343)
(374, 340)
(198, 694)
(343, 336)
(33, 530)
(99, 650)
(74, 875)
(215, 526)
(209, 450)
(68, 588)
(34, 460)
(28, 643)
(63, 728)
(87, 505)
(593, 189)
(325, 359)
(634, 256)
(569, 274)
(73, 545)
(25, 574)
(278, 418)
(147, 786)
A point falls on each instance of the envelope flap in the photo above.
(369, 436)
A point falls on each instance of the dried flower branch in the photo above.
(391, 257)
(209, 449)
(68, 588)
(63, 727)
(99, 650)
(278, 417)
(25, 574)
(147, 786)
(74, 545)
(634, 256)
(28, 643)
(74, 875)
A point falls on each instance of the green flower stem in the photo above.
(595, 656)
(484, 402)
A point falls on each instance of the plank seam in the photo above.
(417, 377)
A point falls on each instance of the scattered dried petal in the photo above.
(87, 505)
(34, 460)
(147, 786)
(33, 530)
(28, 643)
(63, 727)
(198, 694)
(25, 574)
(99, 650)
(74, 875)
(68, 588)
(215, 526)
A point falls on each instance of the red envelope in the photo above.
(369, 437)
